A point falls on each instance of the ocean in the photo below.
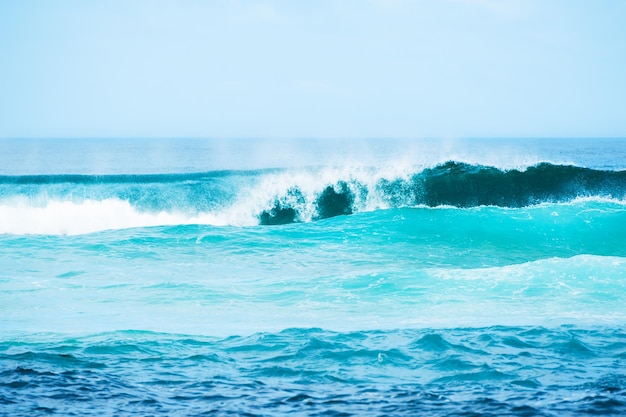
(184, 277)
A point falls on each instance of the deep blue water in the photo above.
(258, 277)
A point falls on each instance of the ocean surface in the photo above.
(313, 277)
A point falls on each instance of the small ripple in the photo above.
(491, 371)
(432, 342)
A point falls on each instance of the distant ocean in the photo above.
(313, 277)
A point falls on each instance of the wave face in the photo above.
(477, 286)
(88, 203)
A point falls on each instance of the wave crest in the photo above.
(450, 184)
(83, 204)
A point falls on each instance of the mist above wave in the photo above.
(153, 156)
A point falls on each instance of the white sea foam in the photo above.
(58, 217)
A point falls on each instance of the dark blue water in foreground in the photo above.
(317, 278)
(526, 371)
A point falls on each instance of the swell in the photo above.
(121, 178)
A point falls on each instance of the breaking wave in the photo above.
(71, 204)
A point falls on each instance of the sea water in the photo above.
(313, 277)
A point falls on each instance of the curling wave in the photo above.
(70, 204)
(452, 184)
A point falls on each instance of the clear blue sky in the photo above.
(343, 68)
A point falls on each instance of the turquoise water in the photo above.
(313, 278)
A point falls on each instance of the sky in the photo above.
(302, 69)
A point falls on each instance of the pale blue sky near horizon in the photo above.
(296, 69)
